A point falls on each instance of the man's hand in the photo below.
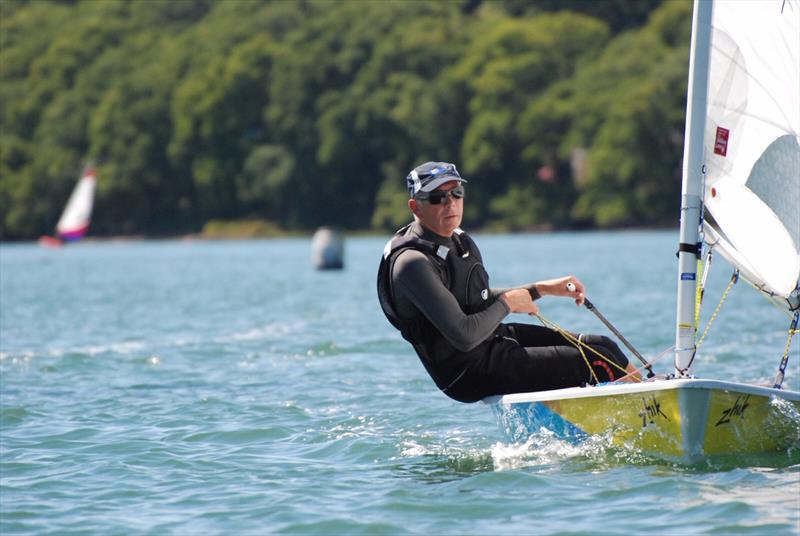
(519, 301)
(558, 287)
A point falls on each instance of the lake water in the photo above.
(191, 387)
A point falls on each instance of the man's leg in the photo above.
(541, 360)
(532, 337)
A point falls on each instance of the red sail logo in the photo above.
(721, 143)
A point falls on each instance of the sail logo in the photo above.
(651, 410)
(721, 141)
(737, 409)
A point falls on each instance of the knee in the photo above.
(602, 340)
(608, 348)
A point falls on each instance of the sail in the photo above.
(752, 142)
(74, 220)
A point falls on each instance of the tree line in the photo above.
(561, 114)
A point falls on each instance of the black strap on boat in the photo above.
(694, 249)
(785, 360)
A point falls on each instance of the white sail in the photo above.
(752, 142)
(75, 219)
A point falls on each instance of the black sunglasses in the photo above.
(437, 197)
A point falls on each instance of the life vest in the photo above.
(461, 271)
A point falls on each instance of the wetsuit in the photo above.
(436, 292)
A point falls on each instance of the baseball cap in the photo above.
(430, 175)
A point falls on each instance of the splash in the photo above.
(540, 449)
(557, 442)
(784, 419)
(543, 450)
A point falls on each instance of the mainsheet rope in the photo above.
(580, 345)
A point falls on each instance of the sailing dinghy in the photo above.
(74, 221)
(740, 196)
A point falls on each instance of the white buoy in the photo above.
(327, 249)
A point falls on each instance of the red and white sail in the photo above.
(77, 214)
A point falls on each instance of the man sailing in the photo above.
(433, 287)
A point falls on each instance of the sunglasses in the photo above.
(437, 197)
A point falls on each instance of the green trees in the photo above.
(507, 69)
(312, 112)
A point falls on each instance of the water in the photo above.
(189, 387)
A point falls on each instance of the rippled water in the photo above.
(227, 387)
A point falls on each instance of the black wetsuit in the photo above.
(441, 301)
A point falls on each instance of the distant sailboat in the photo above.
(741, 187)
(74, 221)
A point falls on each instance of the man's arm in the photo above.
(558, 287)
(550, 287)
(530, 287)
(416, 281)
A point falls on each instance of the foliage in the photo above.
(239, 229)
(311, 112)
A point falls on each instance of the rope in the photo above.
(586, 360)
(734, 279)
(579, 344)
(785, 358)
(703, 267)
(698, 296)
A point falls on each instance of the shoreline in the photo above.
(358, 233)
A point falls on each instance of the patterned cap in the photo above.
(431, 175)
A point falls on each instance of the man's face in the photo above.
(442, 218)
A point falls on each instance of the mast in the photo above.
(692, 185)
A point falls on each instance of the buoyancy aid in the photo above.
(462, 272)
